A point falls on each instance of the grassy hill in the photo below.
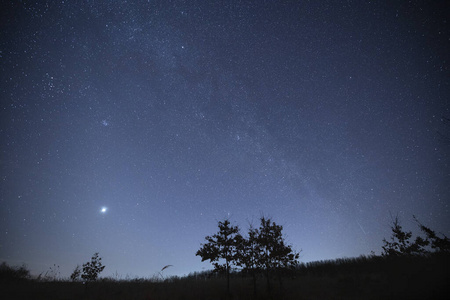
(374, 277)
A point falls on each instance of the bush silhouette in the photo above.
(438, 244)
(400, 244)
(76, 274)
(8, 273)
(92, 269)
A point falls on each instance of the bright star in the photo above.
(103, 210)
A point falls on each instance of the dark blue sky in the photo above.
(324, 115)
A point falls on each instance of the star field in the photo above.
(130, 128)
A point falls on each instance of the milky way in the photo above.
(327, 116)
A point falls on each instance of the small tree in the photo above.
(76, 274)
(400, 244)
(274, 254)
(92, 269)
(438, 244)
(221, 248)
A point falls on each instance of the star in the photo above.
(156, 113)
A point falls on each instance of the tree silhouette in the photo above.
(273, 253)
(76, 274)
(221, 248)
(92, 269)
(400, 243)
(248, 254)
(264, 249)
(439, 244)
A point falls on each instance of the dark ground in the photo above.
(357, 278)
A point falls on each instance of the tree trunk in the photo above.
(280, 280)
(269, 290)
(228, 279)
(254, 284)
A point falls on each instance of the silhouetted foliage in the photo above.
(264, 249)
(92, 269)
(76, 274)
(52, 274)
(248, 251)
(438, 244)
(9, 273)
(221, 248)
(160, 273)
(400, 243)
(273, 253)
(248, 255)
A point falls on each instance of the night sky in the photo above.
(131, 128)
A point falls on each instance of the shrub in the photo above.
(8, 273)
(76, 274)
(92, 269)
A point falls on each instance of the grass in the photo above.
(424, 277)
